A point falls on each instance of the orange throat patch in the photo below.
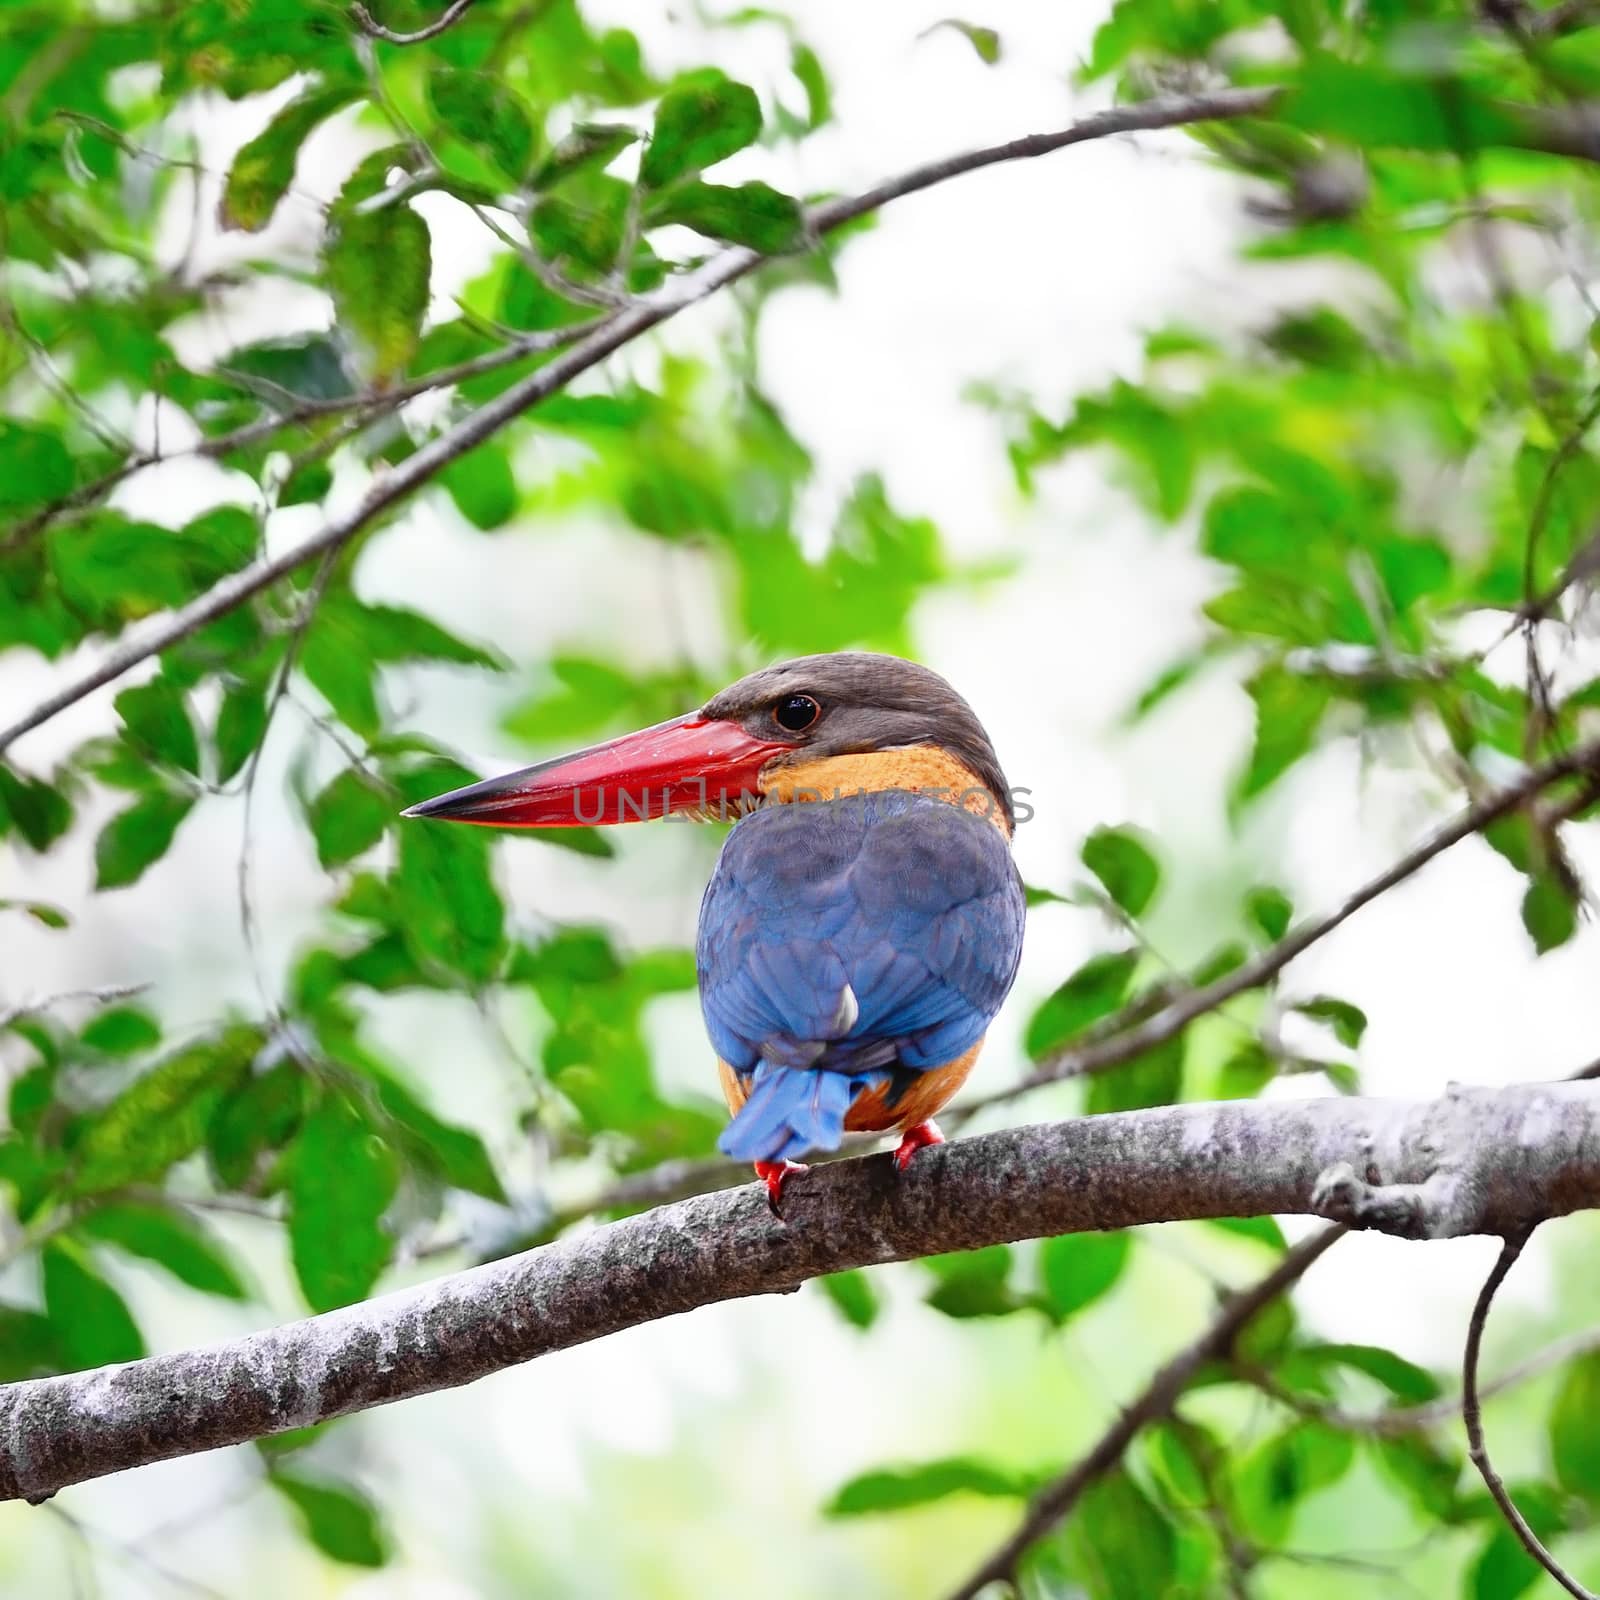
(921, 768)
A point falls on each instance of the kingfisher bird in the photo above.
(864, 921)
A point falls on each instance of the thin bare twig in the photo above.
(1155, 1401)
(131, 1553)
(1472, 1415)
(1566, 17)
(446, 19)
(1433, 1413)
(610, 335)
(101, 997)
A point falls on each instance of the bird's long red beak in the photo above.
(691, 763)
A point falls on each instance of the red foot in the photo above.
(915, 1139)
(773, 1173)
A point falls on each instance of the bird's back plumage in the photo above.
(848, 942)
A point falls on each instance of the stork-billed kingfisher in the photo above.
(864, 920)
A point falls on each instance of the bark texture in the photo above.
(1477, 1161)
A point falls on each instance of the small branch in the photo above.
(1434, 1413)
(1472, 1415)
(100, 997)
(1056, 1501)
(1561, 19)
(376, 30)
(1120, 1045)
(373, 403)
(612, 334)
(1523, 1154)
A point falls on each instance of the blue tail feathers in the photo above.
(791, 1110)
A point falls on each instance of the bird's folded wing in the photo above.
(910, 903)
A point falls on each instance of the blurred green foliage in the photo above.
(1365, 470)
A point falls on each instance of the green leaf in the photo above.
(338, 1519)
(29, 1345)
(1094, 991)
(1289, 712)
(590, 235)
(273, 1447)
(308, 484)
(1574, 1438)
(122, 1031)
(137, 838)
(282, 371)
(1245, 1073)
(483, 487)
(478, 108)
(39, 811)
(974, 1283)
(92, 1324)
(1549, 913)
(264, 168)
(1285, 1470)
(34, 466)
(751, 214)
(1262, 1230)
(1408, 1383)
(392, 633)
(984, 41)
(41, 911)
(1270, 911)
(161, 1117)
(1152, 1079)
(1120, 1544)
(155, 718)
(1349, 1023)
(241, 724)
(171, 1240)
(590, 145)
(1504, 1569)
(451, 915)
(1179, 1451)
(341, 1180)
(901, 1489)
(1266, 1336)
(1124, 864)
(256, 1118)
(1078, 1268)
(376, 267)
(344, 675)
(1376, 109)
(349, 816)
(456, 1154)
(116, 571)
(697, 125)
(1425, 1472)
(853, 1297)
(808, 70)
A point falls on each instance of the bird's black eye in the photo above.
(796, 712)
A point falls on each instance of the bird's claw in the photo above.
(916, 1138)
(773, 1174)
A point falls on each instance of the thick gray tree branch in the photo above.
(638, 318)
(1477, 1161)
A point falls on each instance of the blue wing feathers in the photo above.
(911, 901)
